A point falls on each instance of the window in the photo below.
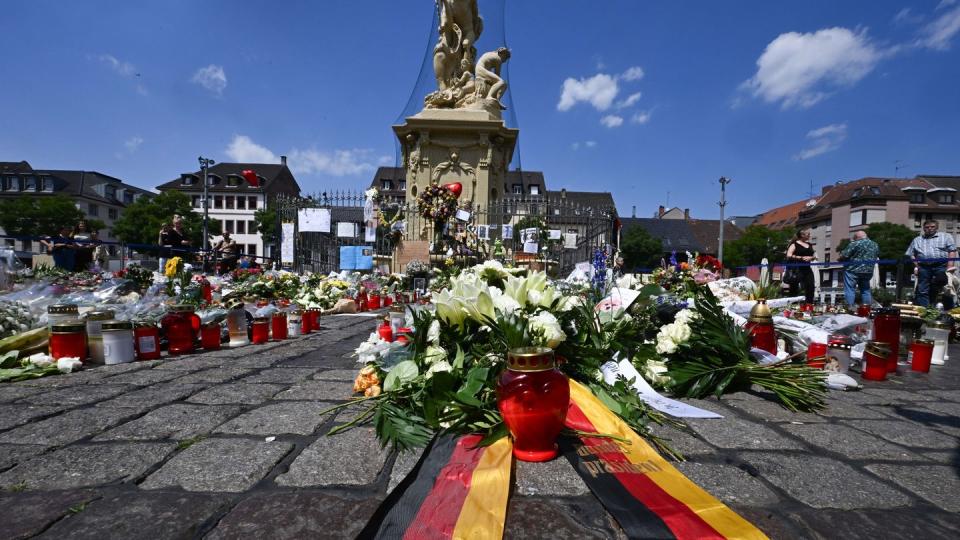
(127, 196)
(534, 189)
(110, 192)
(917, 198)
(518, 189)
(251, 249)
(875, 216)
(386, 184)
(875, 191)
(241, 203)
(241, 227)
(402, 185)
(30, 183)
(195, 201)
(112, 213)
(233, 181)
(252, 203)
(13, 183)
(229, 225)
(189, 180)
(229, 201)
(28, 245)
(252, 227)
(856, 193)
(93, 210)
(945, 198)
(218, 201)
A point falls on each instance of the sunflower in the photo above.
(173, 266)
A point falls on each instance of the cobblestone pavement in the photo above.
(232, 444)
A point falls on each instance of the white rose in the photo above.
(503, 303)
(679, 332)
(533, 297)
(665, 345)
(545, 326)
(685, 316)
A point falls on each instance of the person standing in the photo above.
(930, 251)
(801, 250)
(83, 247)
(227, 250)
(101, 257)
(861, 255)
(61, 248)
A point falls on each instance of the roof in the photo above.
(274, 178)
(77, 183)
(588, 199)
(15, 167)
(865, 189)
(707, 233)
(784, 216)
(524, 178)
(675, 234)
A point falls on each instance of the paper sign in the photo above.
(463, 215)
(611, 370)
(530, 247)
(370, 234)
(507, 232)
(483, 232)
(346, 230)
(530, 235)
(570, 240)
(618, 299)
(314, 220)
(286, 243)
(554, 234)
(356, 258)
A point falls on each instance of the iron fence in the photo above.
(561, 233)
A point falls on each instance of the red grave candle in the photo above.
(279, 326)
(261, 330)
(68, 340)
(533, 396)
(146, 341)
(182, 327)
(210, 336)
(875, 361)
(886, 329)
(921, 352)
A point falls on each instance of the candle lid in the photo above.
(878, 348)
(940, 325)
(99, 315)
(760, 313)
(62, 309)
(888, 310)
(531, 359)
(117, 325)
(257, 320)
(929, 342)
(235, 304)
(68, 327)
(144, 324)
(182, 308)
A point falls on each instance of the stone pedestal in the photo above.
(470, 146)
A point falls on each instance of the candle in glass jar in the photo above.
(118, 345)
(68, 340)
(261, 330)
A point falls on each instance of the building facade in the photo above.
(97, 195)
(233, 200)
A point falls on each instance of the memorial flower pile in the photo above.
(443, 376)
(323, 293)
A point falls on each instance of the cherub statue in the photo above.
(489, 83)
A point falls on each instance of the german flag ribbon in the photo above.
(456, 490)
(647, 496)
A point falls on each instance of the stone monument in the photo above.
(460, 136)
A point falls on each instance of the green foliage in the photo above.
(716, 361)
(640, 250)
(28, 216)
(187, 443)
(266, 219)
(530, 222)
(756, 243)
(140, 222)
(892, 238)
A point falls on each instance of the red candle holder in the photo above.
(182, 327)
(373, 302)
(875, 361)
(315, 319)
(68, 340)
(533, 396)
(261, 330)
(146, 341)
(210, 336)
(403, 335)
(921, 353)
(305, 326)
(816, 350)
(385, 331)
(279, 326)
(886, 329)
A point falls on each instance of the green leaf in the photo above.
(402, 372)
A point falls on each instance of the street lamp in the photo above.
(204, 164)
(723, 203)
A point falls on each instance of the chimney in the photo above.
(686, 214)
(660, 211)
(283, 160)
(634, 211)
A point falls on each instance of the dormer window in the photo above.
(214, 179)
(190, 180)
(46, 184)
(918, 198)
(127, 196)
(233, 181)
(30, 183)
(856, 193)
(945, 198)
(110, 192)
(534, 189)
(386, 184)
(875, 190)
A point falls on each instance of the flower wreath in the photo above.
(437, 203)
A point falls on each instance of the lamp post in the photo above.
(723, 203)
(204, 164)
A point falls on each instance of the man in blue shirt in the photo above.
(861, 254)
(930, 251)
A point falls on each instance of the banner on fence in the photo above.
(314, 220)
(286, 243)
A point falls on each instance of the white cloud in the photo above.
(599, 90)
(641, 117)
(631, 100)
(125, 69)
(585, 144)
(799, 70)
(242, 149)
(823, 140)
(634, 73)
(337, 163)
(945, 4)
(612, 121)
(907, 16)
(212, 77)
(590, 144)
(133, 144)
(938, 34)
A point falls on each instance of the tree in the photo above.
(266, 219)
(29, 216)
(140, 222)
(639, 249)
(757, 243)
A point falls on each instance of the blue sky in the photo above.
(645, 99)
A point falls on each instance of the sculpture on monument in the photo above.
(462, 82)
